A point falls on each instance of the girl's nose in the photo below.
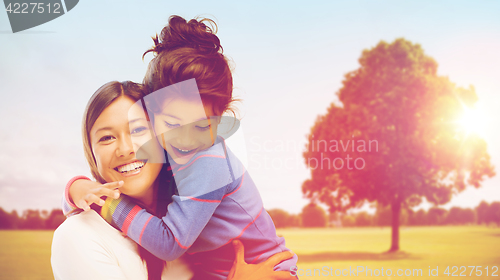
(185, 138)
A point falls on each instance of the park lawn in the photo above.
(421, 248)
(26, 254)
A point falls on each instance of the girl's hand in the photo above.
(264, 270)
(85, 192)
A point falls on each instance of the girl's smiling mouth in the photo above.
(181, 152)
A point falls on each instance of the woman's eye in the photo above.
(139, 130)
(169, 125)
(106, 138)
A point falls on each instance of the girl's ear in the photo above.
(227, 126)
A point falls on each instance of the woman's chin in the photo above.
(137, 182)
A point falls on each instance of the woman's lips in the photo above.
(130, 169)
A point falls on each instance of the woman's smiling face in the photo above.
(119, 131)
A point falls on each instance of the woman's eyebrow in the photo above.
(137, 119)
(103, 128)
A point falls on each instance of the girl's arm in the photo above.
(81, 192)
(169, 237)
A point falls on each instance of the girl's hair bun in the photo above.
(190, 50)
(194, 34)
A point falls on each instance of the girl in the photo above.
(217, 201)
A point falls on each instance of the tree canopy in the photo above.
(394, 137)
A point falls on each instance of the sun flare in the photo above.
(472, 121)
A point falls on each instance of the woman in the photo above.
(85, 246)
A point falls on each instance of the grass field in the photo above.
(422, 247)
(26, 254)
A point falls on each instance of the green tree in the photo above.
(6, 221)
(348, 221)
(482, 212)
(420, 218)
(363, 219)
(55, 219)
(313, 216)
(460, 216)
(393, 137)
(31, 219)
(436, 216)
(283, 219)
(383, 216)
(494, 212)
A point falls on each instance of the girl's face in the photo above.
(183, 128)
(115, 136)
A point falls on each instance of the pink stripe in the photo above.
(203, 200)
(199, 158)
(68, 185)
(145, 224)
(242, 178)
(231, 240)
(249, 224)
(180, 245)
(129, 218)
(253, 261)
(220, 270)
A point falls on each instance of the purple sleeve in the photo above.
(169, 237)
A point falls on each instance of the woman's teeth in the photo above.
(130, 167)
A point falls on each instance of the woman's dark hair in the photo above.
(186, 50)
(101, 99)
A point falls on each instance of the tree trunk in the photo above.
(396, 210)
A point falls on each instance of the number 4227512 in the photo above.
(476, 270)
(31, 8)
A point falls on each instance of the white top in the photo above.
(86, 247)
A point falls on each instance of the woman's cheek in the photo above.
(103, 155)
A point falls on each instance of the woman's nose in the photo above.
(125, 146)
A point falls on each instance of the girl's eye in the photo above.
(139, 130)
(106, 138)
(169, 125)
(203, 128)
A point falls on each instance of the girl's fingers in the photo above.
(239, 252)
(279, 257)
(82, 204)
(92, 198)
(106, 192)
(113, 185)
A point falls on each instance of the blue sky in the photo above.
(289, 59)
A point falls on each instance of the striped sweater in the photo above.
(217, 202)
